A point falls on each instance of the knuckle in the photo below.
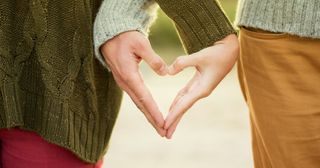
(127, 76)
(139, 107)
(156, 63)
(206, 93)
(128, 79)
(141, 44)
(182, 92)
(178, 63)
(123, 74)
(142, 98)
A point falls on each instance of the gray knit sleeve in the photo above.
(117, 16)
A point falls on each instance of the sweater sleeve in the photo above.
(200, 23)
(117, 16)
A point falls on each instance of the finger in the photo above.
(152, 59)
(177, 98)
(144, 97)
(160, 130)
(183, 105)
(181, 63)
(184, 90)
(150, 119)
(197, 90)
(181, 93)
(180, 108)
(173, 127)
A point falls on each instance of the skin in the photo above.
(212, 64)
(124, 53)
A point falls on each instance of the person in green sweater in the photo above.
(58, 104)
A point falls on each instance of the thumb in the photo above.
(181, 63)
(152, 59)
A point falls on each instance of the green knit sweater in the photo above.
(50, 81)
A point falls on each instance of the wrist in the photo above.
(231, 40)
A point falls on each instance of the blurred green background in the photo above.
(164, 38)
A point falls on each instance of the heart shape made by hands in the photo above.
(165, 88)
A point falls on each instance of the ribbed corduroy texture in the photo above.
(117, 16)
(199, 23)
(296, 17)
(50, 81)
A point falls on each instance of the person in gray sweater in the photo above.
(279, 73)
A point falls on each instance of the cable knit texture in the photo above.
(117, 16)
(296, 17)
(50, 81)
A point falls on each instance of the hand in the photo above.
(212, 65)
(123, 54)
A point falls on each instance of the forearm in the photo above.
(118, 16)
(200, 23)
